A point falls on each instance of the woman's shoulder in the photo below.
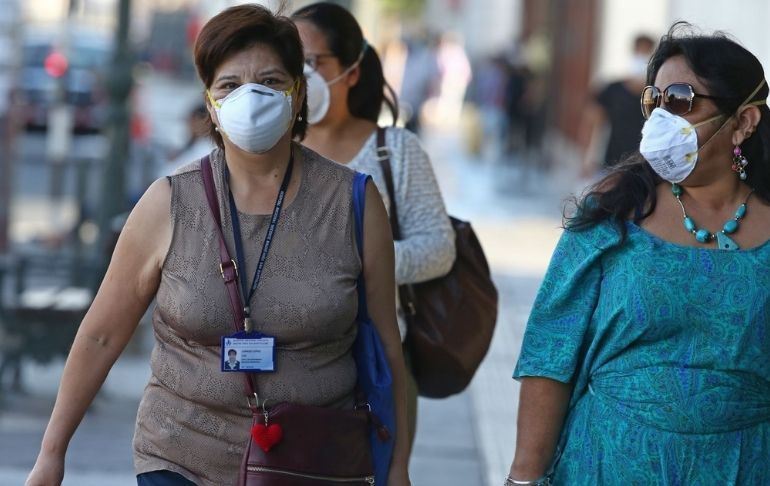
(319, 166)
(187, 168)
(581, 250)
(151, 214)
(194, 166)
(595, 238)
(407, 154)
(402, 137)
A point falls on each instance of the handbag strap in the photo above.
(383, 157)
(405, 292)
(227, 266)
(359, 206)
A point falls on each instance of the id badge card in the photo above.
(248, 352)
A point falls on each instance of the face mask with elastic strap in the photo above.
(253, 116)
(670, 142)
(746, 102)
(319, 96)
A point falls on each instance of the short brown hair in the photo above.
(241, 27)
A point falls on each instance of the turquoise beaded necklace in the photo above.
(724, 242)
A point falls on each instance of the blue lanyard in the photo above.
(240, 255)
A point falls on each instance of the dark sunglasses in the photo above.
(676, 99)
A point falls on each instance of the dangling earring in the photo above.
(739, 163)
(299, 117)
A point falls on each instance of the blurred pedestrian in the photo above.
(420, 78)
(515, 107)
(193, 421)
(535, 63)
(616, 108)
(645, 356)
(454, 75)
(196, 145)
(489, 91)
(346, 91)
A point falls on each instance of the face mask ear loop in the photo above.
(745, 102)
(351, 67)
(756, 90)
(294, 86)
(288, 93)
(754, 103)
(212, 100)
(216, 106)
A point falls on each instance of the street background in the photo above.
(496, 89)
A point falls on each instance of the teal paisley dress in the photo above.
(668, 348)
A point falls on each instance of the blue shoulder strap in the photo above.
(359, 205)
(374, 376)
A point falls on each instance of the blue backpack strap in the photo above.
(359, 206)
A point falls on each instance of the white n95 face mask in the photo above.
(638, 66)
(318, 94)
(254, 117)
(670, 144)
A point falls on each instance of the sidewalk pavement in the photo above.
(516, 210)
(466, 440)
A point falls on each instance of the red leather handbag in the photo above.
(319, 447)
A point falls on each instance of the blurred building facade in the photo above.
(568, 46)
(484, 27)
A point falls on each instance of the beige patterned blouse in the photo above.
(193, 418)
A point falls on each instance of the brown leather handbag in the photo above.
(292, 444)
(451, 319)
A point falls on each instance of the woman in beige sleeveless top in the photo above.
(193, 422)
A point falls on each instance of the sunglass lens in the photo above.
(678, 99)
(650, 100)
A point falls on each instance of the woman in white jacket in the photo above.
(346, 91)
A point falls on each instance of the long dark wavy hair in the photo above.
(345, 39)
(728, 71)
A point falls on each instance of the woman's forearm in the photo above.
(87, 366)
(542, 406)
(124, 295)
(398, 371)
(427, 246)
(423, 257)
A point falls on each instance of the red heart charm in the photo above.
(266, 436)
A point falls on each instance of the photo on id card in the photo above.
(252, 352)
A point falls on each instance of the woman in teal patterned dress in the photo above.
(646, 359)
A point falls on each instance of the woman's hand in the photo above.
(543, 405)
(48, 471)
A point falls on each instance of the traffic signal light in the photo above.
(56, 64)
